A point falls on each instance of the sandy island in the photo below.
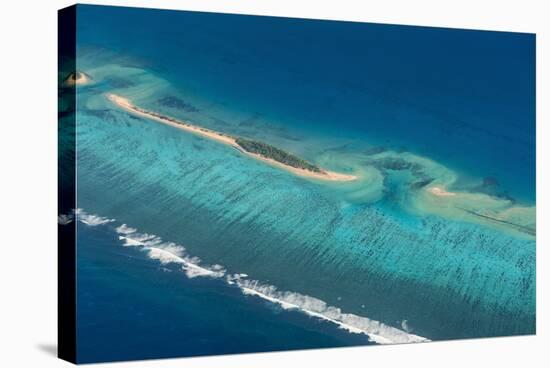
(77, 79)
(440, 192)
(225, 139)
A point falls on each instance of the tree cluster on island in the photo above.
(276, 154)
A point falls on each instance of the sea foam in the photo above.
(167, 252)
(82, 216)
(64, 219)
(376, 331)
(91, 220)
(172, 253)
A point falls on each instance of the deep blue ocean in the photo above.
(456, 106)
(130, 307)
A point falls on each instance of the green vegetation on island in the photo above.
(276, 154)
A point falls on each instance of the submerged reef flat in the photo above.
(414, 183)
(256, 149)
(476, 207)
(419, 185)
(177, 103)
(428, 188)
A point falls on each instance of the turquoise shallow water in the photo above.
(300, 236)
(376, 248)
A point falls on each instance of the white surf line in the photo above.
(167, 252)
(399, 336)
(191, 270)
(286, 305)
(82, 216)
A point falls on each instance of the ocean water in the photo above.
(131, 307)
(220, 253)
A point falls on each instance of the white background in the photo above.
(28, 154)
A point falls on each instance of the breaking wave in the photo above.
(80, 215)
(167, 252)
(172, 253)
(63, 219)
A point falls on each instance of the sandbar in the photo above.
(440, 192)
(226, 139)
(76, 79)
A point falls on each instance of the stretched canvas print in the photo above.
(235, 184)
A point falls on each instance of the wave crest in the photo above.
(167, 252)
(376, 331)
(91, 220)
(172, 253)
